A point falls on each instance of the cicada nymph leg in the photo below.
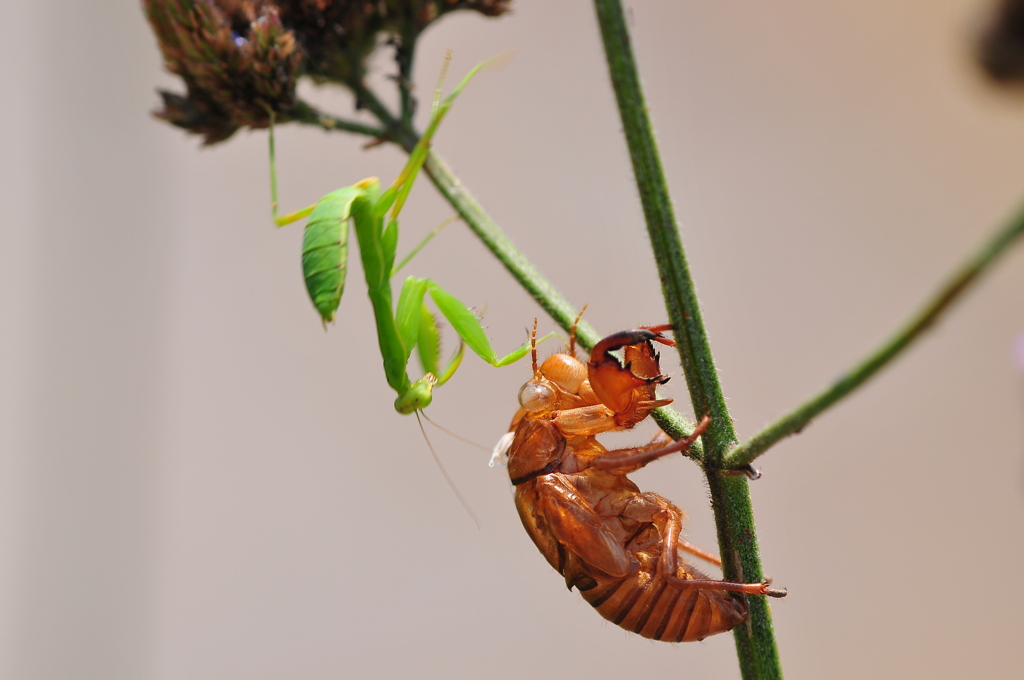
(650, 507)
(636, 458)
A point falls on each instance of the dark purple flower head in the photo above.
(240, 59)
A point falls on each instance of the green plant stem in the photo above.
(680, 296)
(366, 97)
(925, 318)
(521, 269)
(406, 52)
(308, 115)
(530, 278)
(730, 496)
(480, 223)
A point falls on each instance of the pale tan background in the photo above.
(197, 482)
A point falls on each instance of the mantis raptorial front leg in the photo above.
(374, 213)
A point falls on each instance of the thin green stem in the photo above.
(518, 265)
(308, 115)
(393, 127)
(730, 496)
(521, 269)
(677, 286)
(405, 53)
(925, 318)
(535, 283)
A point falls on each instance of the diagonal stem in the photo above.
(530, 278)
(515, 262)
(366, 97)
(913, 328)
(309, 115)
(405, 52)
(755, 642)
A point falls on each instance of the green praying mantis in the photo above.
(409, 324)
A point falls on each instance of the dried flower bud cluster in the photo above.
(237, 63)
(337, 35)
(240, 59)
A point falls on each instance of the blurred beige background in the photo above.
(197, 482)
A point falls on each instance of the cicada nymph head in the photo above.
(537, 395)
(560, 383)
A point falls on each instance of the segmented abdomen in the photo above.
(645, 604)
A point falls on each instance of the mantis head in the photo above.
(418, 396)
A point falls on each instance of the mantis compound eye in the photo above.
(536, 396)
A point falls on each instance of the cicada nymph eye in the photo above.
(536, 395)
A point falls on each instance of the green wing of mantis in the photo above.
(325, 250)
